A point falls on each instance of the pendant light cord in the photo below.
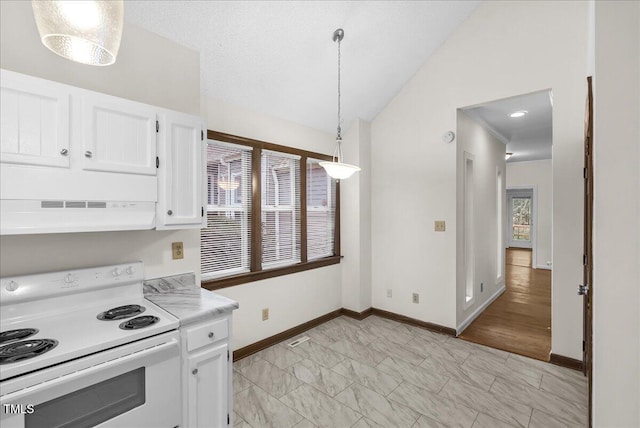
(339, 94)
(339, 136)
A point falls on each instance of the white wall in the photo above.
(141, 73)
(488, 156)
(498, 52)
(291, 299)
(355, 211)
(540, 174)
(616, 235)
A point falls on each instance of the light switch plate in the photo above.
(265, 314)
(177, 250)
(440, 225)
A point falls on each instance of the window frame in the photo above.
(257, 272)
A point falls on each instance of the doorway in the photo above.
(515, 313)
(520, 217)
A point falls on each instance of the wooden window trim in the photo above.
(257, 273)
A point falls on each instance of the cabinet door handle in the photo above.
(88, 154)
(194, 371)
(64, 152)
(211, 335)
(170, 212)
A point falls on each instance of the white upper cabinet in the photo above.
(34, 121)
(180, 169)
(118, 135)
(76, 160)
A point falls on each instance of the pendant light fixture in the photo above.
(88, 32)
(228, 184)
(336, 168)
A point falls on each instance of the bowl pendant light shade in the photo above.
(228, 185)
(339, 170)
(336, 168)
(88, 32)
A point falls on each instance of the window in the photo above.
(225, 242)
(280, 209)
(469, 228)
(321, 195)
(499, 225)
(271, 210)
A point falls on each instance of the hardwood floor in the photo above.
(519, 321)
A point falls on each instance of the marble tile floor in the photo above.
(381, 373)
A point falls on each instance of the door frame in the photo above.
(533, 189)
(587, 272)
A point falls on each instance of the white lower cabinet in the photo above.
(206, 374)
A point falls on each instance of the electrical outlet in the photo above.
(177, 250)
(481, 287)
(389, 293)
(440, 225)
(265, 314)
(416, 298)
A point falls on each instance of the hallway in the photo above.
(519, 321)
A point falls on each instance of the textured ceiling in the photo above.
(528, 137)
(278, 57)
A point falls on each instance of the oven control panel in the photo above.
(18, 289)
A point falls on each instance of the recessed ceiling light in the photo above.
(518, 113)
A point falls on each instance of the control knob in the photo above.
(12, 286)
(131, 270)
(116, 272)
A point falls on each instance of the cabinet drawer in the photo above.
(206, 333)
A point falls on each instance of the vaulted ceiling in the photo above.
(278, 57)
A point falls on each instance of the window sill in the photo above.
(243, 278)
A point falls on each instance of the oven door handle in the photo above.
(60, 381)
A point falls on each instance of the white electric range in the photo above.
(85, 348)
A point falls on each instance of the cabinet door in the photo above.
(34, 121)
(180, 172)
(207, 388)
(118, 135)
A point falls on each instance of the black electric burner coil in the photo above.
(19, 334)
(121, 312)
(25, 349)
(139, 322)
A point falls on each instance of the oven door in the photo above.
(140, 389)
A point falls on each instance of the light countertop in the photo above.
(183, 298)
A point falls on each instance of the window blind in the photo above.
(226, 241)
(280, 209)
(321, 211)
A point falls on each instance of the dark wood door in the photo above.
(587, 290)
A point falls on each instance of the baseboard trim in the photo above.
(570, 363)
(357, 315)
(412, 321)
(258, 346)
(475, 314)
(545, 267)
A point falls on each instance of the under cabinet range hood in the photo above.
(18, 217)
(73, 160)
